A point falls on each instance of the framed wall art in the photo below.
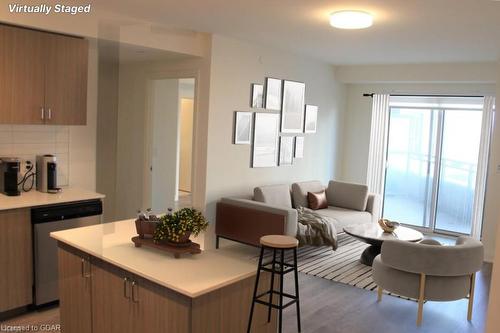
(243, 128)
(286, 150)
(273, 94)
(311, 119)
(299, 147)
(257, 96)
(265, 140)
(292, 113)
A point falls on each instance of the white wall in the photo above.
(133, 120)
(419, 73)
(235, 65)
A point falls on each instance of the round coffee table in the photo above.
(372, 234)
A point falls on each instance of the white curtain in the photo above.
(378, 144)
(482, 165)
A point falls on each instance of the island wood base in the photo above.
(97, 297)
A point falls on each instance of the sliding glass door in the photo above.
(432, 156)
(457, 173)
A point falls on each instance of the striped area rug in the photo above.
(341, 266)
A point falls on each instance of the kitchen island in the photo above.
(108, 285)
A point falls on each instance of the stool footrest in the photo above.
(277, 263)
(270, 270)
(275, 306)
(275, 293)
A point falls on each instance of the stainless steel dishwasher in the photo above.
(55, 218)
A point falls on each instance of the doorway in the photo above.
(169, 161)
(432, 162)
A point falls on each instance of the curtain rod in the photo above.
(417, 95)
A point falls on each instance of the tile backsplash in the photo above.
(27, 141)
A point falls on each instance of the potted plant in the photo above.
(176, 228)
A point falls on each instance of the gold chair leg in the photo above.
(471, 296)
(421, 296)
(379, 294)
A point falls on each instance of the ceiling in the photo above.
(405, 31)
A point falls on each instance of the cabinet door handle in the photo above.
(42, 113)
(50, 114)
(87, 269)
(125, 288)
(135, 292)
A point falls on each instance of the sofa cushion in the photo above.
(299, 192)
(342, 217)
(347, 195)
(275, 195)
(317, 200)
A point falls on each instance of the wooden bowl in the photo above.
(388, 226)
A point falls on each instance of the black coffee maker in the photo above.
(9, 172)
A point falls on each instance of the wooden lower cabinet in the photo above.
(16, 259)
(122, 302)
(75, 283)
(111, 305)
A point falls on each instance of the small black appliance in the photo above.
(9, 172)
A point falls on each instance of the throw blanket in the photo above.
(314, 229)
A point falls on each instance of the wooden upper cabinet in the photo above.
(66, 80)
(43, 77)
(22, 76)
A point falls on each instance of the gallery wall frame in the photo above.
(265, 140)
(292, 112)
(243, 123)
(299, 147)
(286, 150)
(257, 96)
(311, 119)
(273, 96)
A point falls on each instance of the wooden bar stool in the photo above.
(277, 243)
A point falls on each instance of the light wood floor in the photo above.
(330, 307)
(334, 307)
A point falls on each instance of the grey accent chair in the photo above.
(429, 270)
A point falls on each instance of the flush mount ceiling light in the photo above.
(351, 19)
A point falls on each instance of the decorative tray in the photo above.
(192, 248)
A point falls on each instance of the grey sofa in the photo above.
(272, 210)
(429, 271)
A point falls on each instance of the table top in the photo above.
(373, 233)
(191, 275)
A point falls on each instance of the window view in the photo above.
(432, 158)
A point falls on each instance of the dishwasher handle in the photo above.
(66, 211)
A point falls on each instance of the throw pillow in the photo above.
(317, 200)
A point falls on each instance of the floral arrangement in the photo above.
(176, 227)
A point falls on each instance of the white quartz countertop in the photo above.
(34, 198)
(191, 275)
